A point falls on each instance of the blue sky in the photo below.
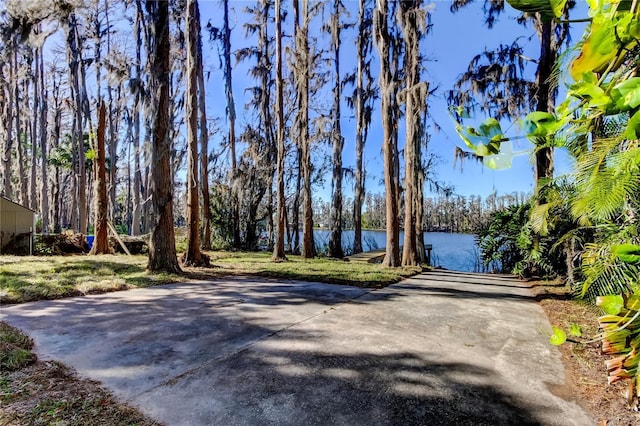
(454, 40)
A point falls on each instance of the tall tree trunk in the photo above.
(415, 97)
(7, 157)
(136, 218)
(21, 134)
(278, 250)
(545, 98)
(192, 257)
(35, 122)
(231, 115)
(363, 47)
(44, 111)
(382, 41)
(114, 119)
(101, 242)
(335, 238)
(74, 61)
(55, 142)
(204, 139)
(302, 76)
(162, 245)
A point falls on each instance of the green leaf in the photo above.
(558, 337)
(591, 92)
(576, 330)
(628, 253)
(633, 303)
(485, 140)
(612, 304)
(558, 7)
(547, 8)
(633, 127)
(540, 124)
(598, 49)
(626, 95)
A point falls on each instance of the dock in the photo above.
(373, 256)
(376, 256)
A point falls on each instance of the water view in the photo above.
(457, 252)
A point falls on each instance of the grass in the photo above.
(29, 278)
(324, 270)
(15, 349)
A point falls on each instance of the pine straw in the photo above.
(47, 392)
(586, 376)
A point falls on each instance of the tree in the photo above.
(256, 167)
(382, 39)
(361, 99)
(224, 36)
(193, 256)
(495, 82)
(301, 73)
(414, 95)
(100, 242)
(335, 238)
(136, 85)
(231, 114)
(162, 244)
(76, 77)
(44, 111)
(278, 250)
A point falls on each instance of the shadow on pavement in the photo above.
(255, 353)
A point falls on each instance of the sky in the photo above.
(454, 40)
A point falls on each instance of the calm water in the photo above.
(457, 252)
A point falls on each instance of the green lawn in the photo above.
(27, 278)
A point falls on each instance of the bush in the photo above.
(510, 244)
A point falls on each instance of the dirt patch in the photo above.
(586, 380)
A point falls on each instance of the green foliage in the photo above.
(604, 202)
(558, 336)
(15, 349)
(607, 175)
(499, 240)
(547, 8)
(485, 140)
(531, 239)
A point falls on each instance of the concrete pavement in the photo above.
(441, 348)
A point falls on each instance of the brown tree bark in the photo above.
(75, 63)
(44, 112)
(382, 41)
(414, 95)
(335, 238)
(193, 256)
(302, 75)
(101, 241)
(162, 244)
(136, 217)
(278, 249)
(362, 46)
(231, 114)
(545, 98)
(204, 139)
(7, 157)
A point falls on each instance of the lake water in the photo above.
(457, 252)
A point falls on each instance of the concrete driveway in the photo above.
(441, 348)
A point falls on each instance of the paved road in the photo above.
(441, 348)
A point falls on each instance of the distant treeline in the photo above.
(453, 213)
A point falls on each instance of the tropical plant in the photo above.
(605, 88)
(530, 239)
